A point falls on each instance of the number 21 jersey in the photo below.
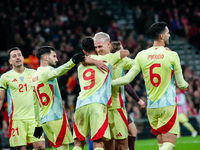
(158, 66)
(19, 93)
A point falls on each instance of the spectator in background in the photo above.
(183, 109)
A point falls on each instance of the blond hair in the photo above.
(101, 36)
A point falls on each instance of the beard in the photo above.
(166, 42)
(51, 64)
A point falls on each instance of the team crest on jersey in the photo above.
(29, 77)
(21, 78)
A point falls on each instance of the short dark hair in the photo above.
(114, 46)
(12, 49)
(87, 44)
(156, 29)
(44, 49)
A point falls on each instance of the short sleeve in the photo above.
(3, 83)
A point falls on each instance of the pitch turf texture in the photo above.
(182, 143)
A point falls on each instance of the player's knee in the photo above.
(77, 148)
(39, 145)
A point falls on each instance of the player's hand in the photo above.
(187, 88)
(141, 103)
(167, 49)
(101, 66)
(38, 132)
(80, 57)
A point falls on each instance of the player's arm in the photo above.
(98, 63)
(3, 87)
(54, 73)
(180, 81)
(133, 72)
(127, 78)
(36, 110)
(178, 73)
(131, 92)
(2, 95)
(38, 128)
(124, 53)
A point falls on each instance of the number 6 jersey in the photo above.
(19, 93)
(158, 66)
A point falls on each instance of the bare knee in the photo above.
(21, 148)
(40, 145)
(122, 144)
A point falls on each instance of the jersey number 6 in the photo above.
(155, 75)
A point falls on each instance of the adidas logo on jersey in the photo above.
(14, 80)
(119, 134)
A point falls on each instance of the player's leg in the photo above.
(18, 134)
(81, 127)
(21, 148)
(122, 144)
(109, 145)
(160, 142)
(169, 140)
(164, 121)
(58, 132)
(38, 144)
(120, 128)
(132, 132)
(98, 144)
(78, 145)
(100, 130)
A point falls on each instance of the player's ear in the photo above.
(45, 57)
(9, 62)
(162, 36)
(84, 52)
(109, 44)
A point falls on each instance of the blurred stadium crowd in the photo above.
(63, 23)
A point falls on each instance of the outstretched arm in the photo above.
(126, 79)
(131, 92)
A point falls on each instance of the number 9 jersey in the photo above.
(96, 86)
(158, 66)
(19, 94)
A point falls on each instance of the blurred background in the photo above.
(29, 24)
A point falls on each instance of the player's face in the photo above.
(16, 58)
(102, 48)
(52, 59)
(166, 36)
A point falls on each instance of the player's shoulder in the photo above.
(7, 73)
(29, 70)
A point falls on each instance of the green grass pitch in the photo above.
(182, 143)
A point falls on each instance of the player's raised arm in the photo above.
(47, 57)
(124, 53)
